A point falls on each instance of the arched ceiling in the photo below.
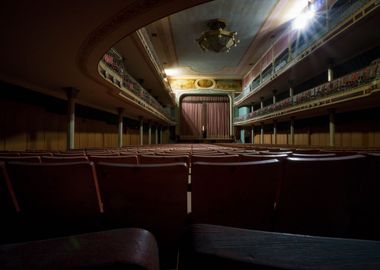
(49, 45)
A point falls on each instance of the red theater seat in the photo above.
(217, 247)
(63, 159)
(319, 196)
(115, 159)
(248, 157)
(150, 159)
(218, 158)
(33, 159)
(56, 198)
(129, 249)
(235, 194)
(149, 196)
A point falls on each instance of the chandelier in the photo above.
(217, 39)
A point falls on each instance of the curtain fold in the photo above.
(212, 112)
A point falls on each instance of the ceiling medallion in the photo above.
(217, 39)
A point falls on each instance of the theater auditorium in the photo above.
(163, 134)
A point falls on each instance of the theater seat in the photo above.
(320, 196)
(63, 159)
(56, 198)
(217, 158)
(127, 249)
(32, 159)
(150, 159)
(235, 194)
(217, 247)
(149, 196)
(249, 157)
(115, 159)
(8, 208)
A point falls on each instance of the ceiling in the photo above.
(49, 45)
(257, 23)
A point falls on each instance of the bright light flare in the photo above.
(173, 72)
(296, 9)
(302, 20)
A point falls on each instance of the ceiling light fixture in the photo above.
(217, 39)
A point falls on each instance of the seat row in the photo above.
(332, 196)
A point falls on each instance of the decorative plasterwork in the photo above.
(205, 83)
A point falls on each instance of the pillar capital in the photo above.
(120, 110)
(71, 92)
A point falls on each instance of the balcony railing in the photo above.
(348, 82)
(114, 61)
(334, 18)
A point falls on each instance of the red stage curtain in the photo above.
(213, 112)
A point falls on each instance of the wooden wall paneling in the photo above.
(51, 131)
(282, 138)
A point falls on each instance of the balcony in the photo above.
(111, 68)
(357, 85)
(297, 61)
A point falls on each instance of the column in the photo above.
(156, 135)
(274, 132)
(141, 131)
(161, 135)
(290, 92)
(120, 127)
(71, 94)
(274, 96)
(262, 134)
(261, 102)
(252, 107)
(292, 130)
(150, 133)
(330, 71)
(242, 135)
(253, 134)
(332, 128)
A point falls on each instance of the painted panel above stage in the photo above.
(206, 83)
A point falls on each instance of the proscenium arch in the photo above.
(180, 94)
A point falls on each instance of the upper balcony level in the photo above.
(111, 68)
(297, 56)
(361, 87)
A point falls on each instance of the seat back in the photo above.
(33, 159)
(63, 159)
(115, 159)
(313, 155)
(149, 196)
(57, 198)
(8, 202)
(150, 159)
(235, 194)
(319, 195)
(218, 158)
(368, 218)
(248, 157)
